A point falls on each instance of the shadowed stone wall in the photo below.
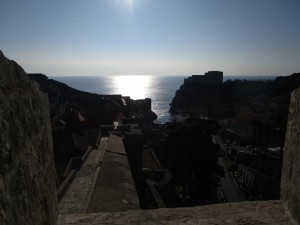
(27, 172)
(290, 180)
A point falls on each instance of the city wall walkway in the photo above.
(104, 183)
(114, 188)
(77, 197)
(79, 205)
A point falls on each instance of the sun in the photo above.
(126, 3)
(130, 3)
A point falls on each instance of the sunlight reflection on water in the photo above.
(161, 89)
(137, 87)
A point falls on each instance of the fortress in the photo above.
(28, 190)
(210, 77)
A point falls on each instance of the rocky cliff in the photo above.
(266, 101)
(290, 181)
(27, 172)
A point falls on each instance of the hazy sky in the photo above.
(171, 37)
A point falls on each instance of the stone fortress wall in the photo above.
(210, 77)
(27, 172)
(290, 179)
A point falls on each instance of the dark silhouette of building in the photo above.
(211, 77)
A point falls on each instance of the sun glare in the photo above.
(130, 3)
(134, 86)
(125, 4)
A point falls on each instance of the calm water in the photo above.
(161, 89)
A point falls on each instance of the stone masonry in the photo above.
(290, 180)
(240, 213)
(77, 197)
(27, 172)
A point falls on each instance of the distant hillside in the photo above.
(57, 89)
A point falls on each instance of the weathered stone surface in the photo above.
(27, 172)
(114, 188)
(242, 213)
(290, 180)
(77, 197)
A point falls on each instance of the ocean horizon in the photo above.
(161, 89)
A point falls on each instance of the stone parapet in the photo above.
(27, 172)
(290, 180)
(255, 212)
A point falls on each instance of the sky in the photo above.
(145, 37)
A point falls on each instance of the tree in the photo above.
(192, 157)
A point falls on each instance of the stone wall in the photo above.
(239, 213)
(27, 172)
(290, 180)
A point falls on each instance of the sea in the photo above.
(161, 89)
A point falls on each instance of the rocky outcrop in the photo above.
(266, 101)
(290, 181)
(27, 172)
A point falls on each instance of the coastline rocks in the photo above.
(60, 93)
